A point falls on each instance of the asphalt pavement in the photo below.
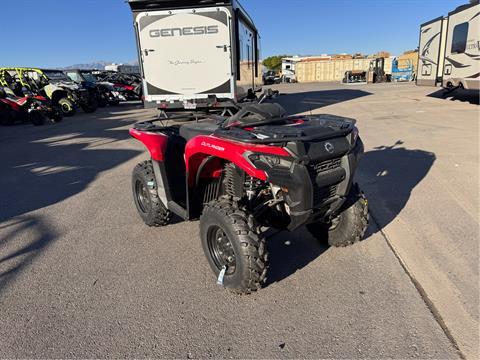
(81, 276)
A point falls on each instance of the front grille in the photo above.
(320, 195)
(327, 165)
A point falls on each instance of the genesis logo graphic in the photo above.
(186, 31)
(329, 147)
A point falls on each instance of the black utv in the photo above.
(104, 92)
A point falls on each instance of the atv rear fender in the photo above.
(156, 143)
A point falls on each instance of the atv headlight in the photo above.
(267, 161)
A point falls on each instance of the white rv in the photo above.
(196, 53)
(449, 49)
(431, 51)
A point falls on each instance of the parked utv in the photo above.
(56, 86)
(31, 108)
(127, 85)
(104, 91)
(243, 174)
(80, 96)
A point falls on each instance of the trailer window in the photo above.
(459, 40)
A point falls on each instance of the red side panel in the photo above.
(21, 101)
(126, 87)
(12, 104)
(156, 143)
(201, 146)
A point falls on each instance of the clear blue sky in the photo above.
(51, 33)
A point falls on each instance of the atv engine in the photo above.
(263, 199)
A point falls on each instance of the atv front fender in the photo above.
(198, 148)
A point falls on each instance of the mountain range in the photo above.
(100, 65)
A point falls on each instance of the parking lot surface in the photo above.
(82, 276)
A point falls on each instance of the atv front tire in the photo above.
(230, 239)
(67, 106)
(144, 186)
(349, 226)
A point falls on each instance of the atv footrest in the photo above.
(177, 209)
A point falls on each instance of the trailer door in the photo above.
(186, 54)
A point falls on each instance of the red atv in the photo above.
(244, 174)
(35, 109)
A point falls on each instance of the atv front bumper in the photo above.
(315, 189)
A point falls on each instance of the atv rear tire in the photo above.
(349, 226)
(67, 106)
(144, 186)
(37, 118)
(231, 239)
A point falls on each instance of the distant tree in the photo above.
(274, 62)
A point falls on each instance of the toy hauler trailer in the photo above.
(196, 54)
(449, 51)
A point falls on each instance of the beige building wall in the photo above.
(328, 70)
(333, 69)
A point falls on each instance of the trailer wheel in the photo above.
(144, 186)
(231, 242)
(68, 109)
(349, 226)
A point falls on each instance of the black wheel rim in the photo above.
(141, 195)
(221, 249)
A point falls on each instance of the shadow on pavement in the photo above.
(41, 167)
(310, 101)
(470, 96)
(387, 175)
(289, 252)
(15, 253)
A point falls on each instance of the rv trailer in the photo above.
(449, 51)
(431, 49)
(196, 54)
(462, 53)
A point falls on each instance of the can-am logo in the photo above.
(186, 31)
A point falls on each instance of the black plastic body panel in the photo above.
(313, 195)
(284, 129)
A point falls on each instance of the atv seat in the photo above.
(190, 130)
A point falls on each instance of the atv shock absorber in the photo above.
(252, 187)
